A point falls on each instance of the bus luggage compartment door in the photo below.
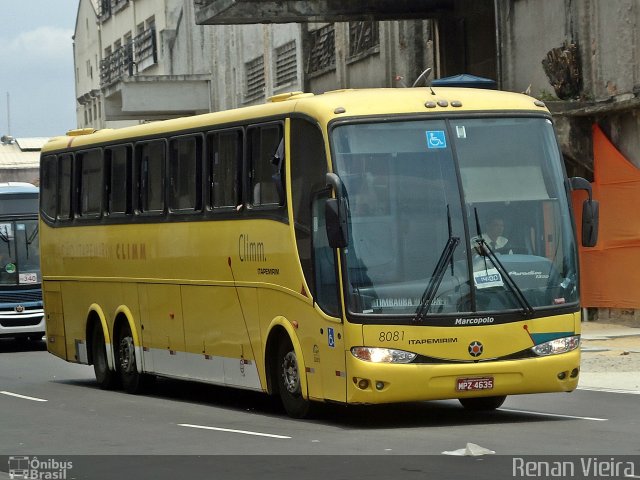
(54, 319)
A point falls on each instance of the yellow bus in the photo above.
(323, 248)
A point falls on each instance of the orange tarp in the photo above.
(610, 272)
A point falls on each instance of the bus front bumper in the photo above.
(371, 383)
(29, 322)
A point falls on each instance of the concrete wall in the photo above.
(609, 47)
(29, 175)
(86, 51)
(529, 29)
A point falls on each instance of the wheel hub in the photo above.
(290, 375)
(127, 355)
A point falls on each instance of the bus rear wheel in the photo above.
(107, 379)
(482, 404)
(132, 380)
(288, 381)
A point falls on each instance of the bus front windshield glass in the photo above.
(455, 217)
(19, 253)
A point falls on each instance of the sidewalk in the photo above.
(610, 357)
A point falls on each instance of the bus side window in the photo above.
(49, 186)
(65, 184)
(118, 168)
(185, 174)
(264, 143)
(150, 176)
(91, 187)
(224, 161)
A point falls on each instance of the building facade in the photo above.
(140, 60)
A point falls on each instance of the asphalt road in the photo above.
(54, 410)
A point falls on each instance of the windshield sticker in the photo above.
(436, 139)
(488, 278)
(461, 131)
(403, 302)
(24, 278)
(10, 268)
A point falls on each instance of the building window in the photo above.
(104, 9)
(254, 72)
(144, 45)
(322, 51)
(286, 64)
(364, 38)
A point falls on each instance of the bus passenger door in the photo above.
(162, 329)
(329, 349)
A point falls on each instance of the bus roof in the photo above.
(17, 187)
(325, 107)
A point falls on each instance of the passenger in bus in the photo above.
(494, 236)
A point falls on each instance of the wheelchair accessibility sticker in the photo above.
(436, 139)
(331, 337)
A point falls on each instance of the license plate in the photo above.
(467, 384)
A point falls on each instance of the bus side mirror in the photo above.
(590, 221)
(336, 224)
(590, 213)
(336, 214)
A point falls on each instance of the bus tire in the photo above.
(107, 379)
(288, 381)
(132, 381)
(482, 404)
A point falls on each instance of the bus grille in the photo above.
(22, 296)
(20, 322)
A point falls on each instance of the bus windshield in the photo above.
(457, 216)
(19, 252)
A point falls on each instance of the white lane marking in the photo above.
(543, 414)
(244, 432)
(609, 390)
(11, 394)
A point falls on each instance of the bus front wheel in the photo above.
(132, 380)
(482, 404)
(107, 379)
(289, 385)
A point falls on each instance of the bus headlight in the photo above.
(382, 355)
(559, 345)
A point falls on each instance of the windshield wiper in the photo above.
(486, 251)
(446, 256)
(29, 239)
(429, 294)
(4, 236)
